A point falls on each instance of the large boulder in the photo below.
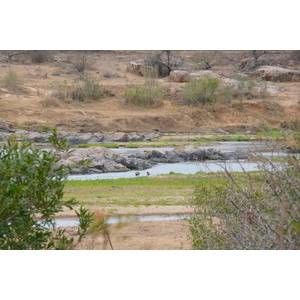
(135, 163)
(192, 152)
(6, 126)
(117, 137)
(180, 76)
(140, 67)
(277, 74)
(161, 156)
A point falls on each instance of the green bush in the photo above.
(145, 96)
(89, 90)
(12, 81)
(201, 91)
(31, 183)
(252, 211)
(249, 88)
(83, 89)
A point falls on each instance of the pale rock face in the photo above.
(278, 74)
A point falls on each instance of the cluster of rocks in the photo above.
(187, 153)
(101, 160)
(95, 160)
(77, 138)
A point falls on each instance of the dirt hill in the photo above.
(41, 73)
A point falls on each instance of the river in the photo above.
(192, 167)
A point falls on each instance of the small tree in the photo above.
(81, 61)
(31, 183)
(204, 59)
(164, 61)
(256, 55)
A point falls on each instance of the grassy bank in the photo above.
(166, 190)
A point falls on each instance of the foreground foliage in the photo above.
(254, 211)
(32, 183)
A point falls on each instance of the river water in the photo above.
(68, 222)
(181, 167)
(192, 167)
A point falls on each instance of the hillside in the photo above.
(28, 108)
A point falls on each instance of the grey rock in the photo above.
(272, 73)
(6, 126)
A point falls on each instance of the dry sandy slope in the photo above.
(110, 114)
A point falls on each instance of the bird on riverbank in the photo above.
(137, 173)
(148, 173)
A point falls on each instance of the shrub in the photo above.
(12, 81)
(50, 102)
(40, 56)
(244, 87)
(81, 62)
(251, 210)
(44, 128)
(145, 96)
(31, 183)
(84, 89)
(89, 90)
(201, 91)
(249, 88)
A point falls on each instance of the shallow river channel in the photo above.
(190, 167)
(181, 167)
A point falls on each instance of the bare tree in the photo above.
(256, 55)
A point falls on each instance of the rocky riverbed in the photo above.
(75, 138)
(95, 160)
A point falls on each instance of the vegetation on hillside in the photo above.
(147, 96)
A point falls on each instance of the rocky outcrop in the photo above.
(161, 156)
(100, 160)
(180, 76)
(187, 153)
(140, 67)
(271, 73)
(80, 138)
(6, 126)
(95, 160)
(192, 152)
